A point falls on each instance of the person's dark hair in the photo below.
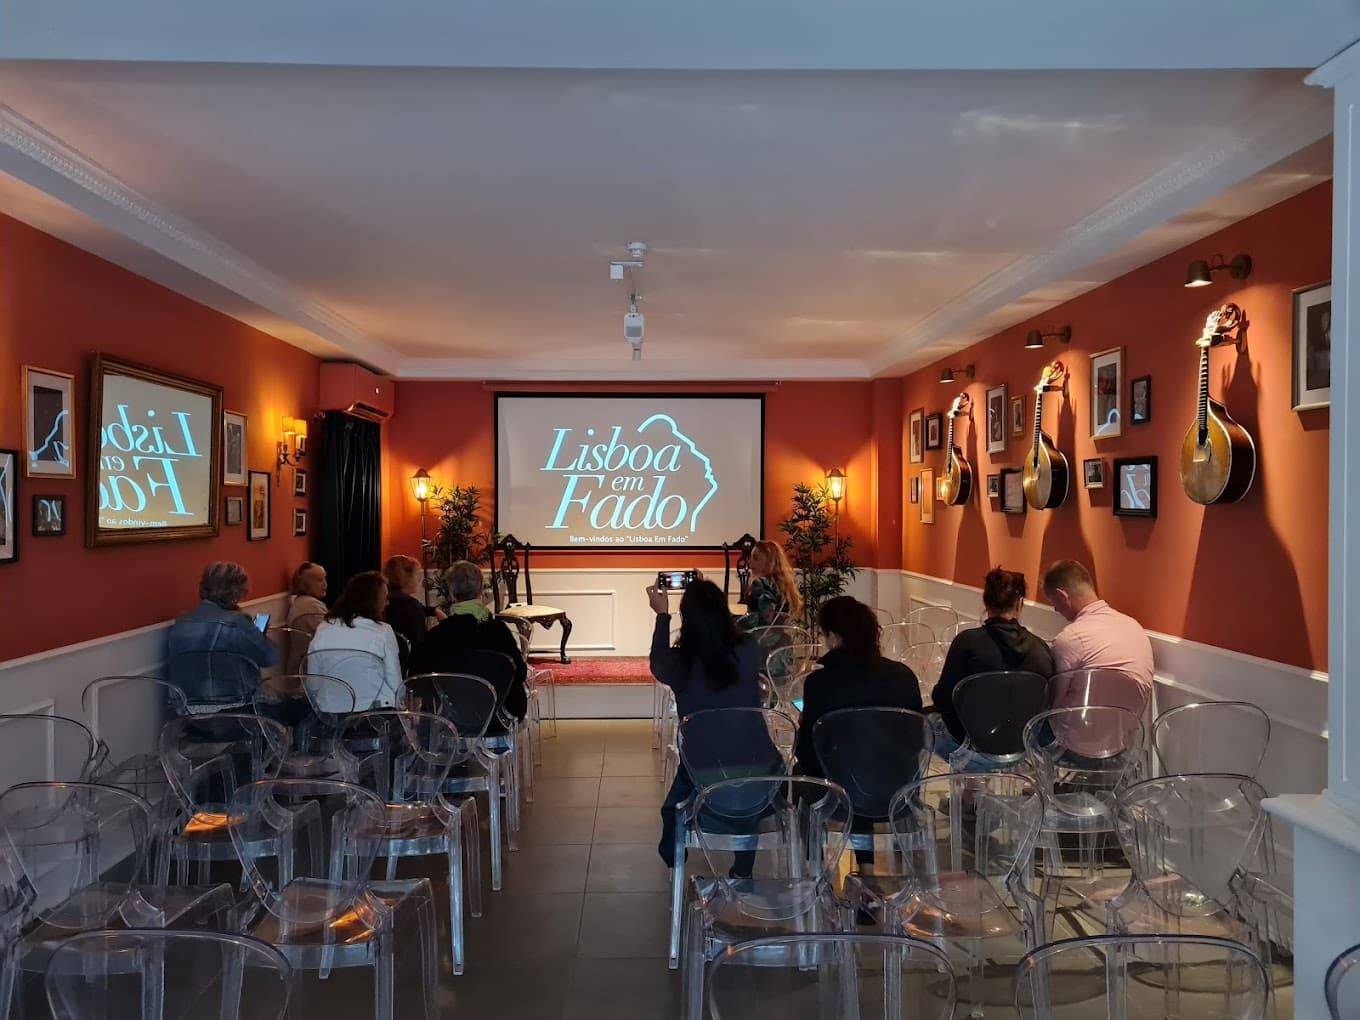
(855, 624)
(363, 596)
(708, 634)
(1002, 590)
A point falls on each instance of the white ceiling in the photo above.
(443, 222)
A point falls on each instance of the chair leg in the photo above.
(472, 848)
(677, 893)
(692, 970)
(455, 855)
(384, 977)
(566, 633)
(494, 797)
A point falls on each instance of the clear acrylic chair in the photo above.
(1187, 839)
(291, 644)
(828, 976)
(122, 975)
(940, 619)
(353, 665)
(1212, 736)
(71, 855)
(1109, 688)
(146, 700)
(714, 745)
(44, 746)
(885, 618)
(993, 709)
(786, 668)
(206, 758)
(314, 708)
(896, 640)
(415, 753)
(1126, 977)
(965, 843)
(873, 753)
(926, 660)
(316, 902)
(214, 681)
(773, 845)
(472, 705)
(1342, 985)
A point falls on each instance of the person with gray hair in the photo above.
(470, 628)
(214, 652)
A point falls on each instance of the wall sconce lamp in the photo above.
(947, 374)
(1034, 339)
(1200, 273)
(292, 445)
(422, 488)
(835, 484)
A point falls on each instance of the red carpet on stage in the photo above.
(596, 671)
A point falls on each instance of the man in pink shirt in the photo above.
(1096, 637)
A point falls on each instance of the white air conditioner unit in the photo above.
(349, 387)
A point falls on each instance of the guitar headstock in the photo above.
(1219, 323)
(1052, 378)
(962, 404)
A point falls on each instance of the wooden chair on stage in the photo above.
(505, 590)
(743, 548)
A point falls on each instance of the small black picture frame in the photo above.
(1135, 487)
(993, 486)
(300, 523)
(1012, 491)
(299, 482)
(49, 516)
(1093, 473)
(1140, 400)
(934, 429)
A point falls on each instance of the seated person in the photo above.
(1096, 637)
(773, 593)
(215, 652)
(356, 646)
(407, 613)
(711, 665)
(469, 626)
(1001, 643)
(852, 674)
(305, 612)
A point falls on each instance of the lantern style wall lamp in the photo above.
(1201, 272)
(835, 485)
(1034, 339)
(422, 488)
(292, 444)
(947, 375)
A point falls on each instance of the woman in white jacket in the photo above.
(355, 645)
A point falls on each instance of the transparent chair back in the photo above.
(207, 757)
(1186, 837)
(167, 975)
(793, 830)
(127, 713)
(361, 670)
(942, 620)
(733, 743)
(403, 756)
(75, 851)
(926, 660)
(831, 977)
(469, 702)
(290, 644)
(897, 639)
(1083, 758)
(1212, 736)
(994, 708)
(787, 668)
(778, 636)
(314, 706)
(873, 753)
(1112, 688)
(1342, 985)
(214, 681)
(40, 746)
(1141, 977)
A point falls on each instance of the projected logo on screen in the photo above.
(655, 480)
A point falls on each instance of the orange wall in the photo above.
(1251, 576)
(449, 429)
(58, 306)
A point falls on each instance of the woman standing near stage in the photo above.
(773, 594)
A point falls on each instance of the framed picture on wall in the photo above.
(299, 522)
(993, 486)
(1107, 393)
(933, 440)
(257, 527)
(9, 506)
(1017, 416)
(1012, 491)
(49, 423)
(1140, 400)
(1135, 487)
(49, 516)
(233, 448)
(1093, 473)
(914, 490)
(235, 512)
(299, 481)
(915, 436)
(1313, 347)
(927, 496)
(996, 419)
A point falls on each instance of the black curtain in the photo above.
(351, 499)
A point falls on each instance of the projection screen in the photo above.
(595, 471)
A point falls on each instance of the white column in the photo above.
(1327, 826)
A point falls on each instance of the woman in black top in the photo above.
(852, 674)
(1001, 643)
(711, 665)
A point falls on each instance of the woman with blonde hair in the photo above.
(773, 593)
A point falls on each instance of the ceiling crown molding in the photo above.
(40, 159)
(1281, 129)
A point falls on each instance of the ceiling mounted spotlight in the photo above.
(947, 374)
(1200, 273)
(1034, 339)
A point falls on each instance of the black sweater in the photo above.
(442, 651)
(692, 693)
(842, 681)
(996, 645)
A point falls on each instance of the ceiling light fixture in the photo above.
(1200, 273)
(1034, 339)
(947, 374)
(628, 270)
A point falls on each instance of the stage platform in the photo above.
(613, 687)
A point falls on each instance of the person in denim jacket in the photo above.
(214, 652)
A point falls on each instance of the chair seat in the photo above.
(965, 906)
(1078, 812)
(761, 908)
(406, 821)
(353, 927)
(531, 613)
(207, 827)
